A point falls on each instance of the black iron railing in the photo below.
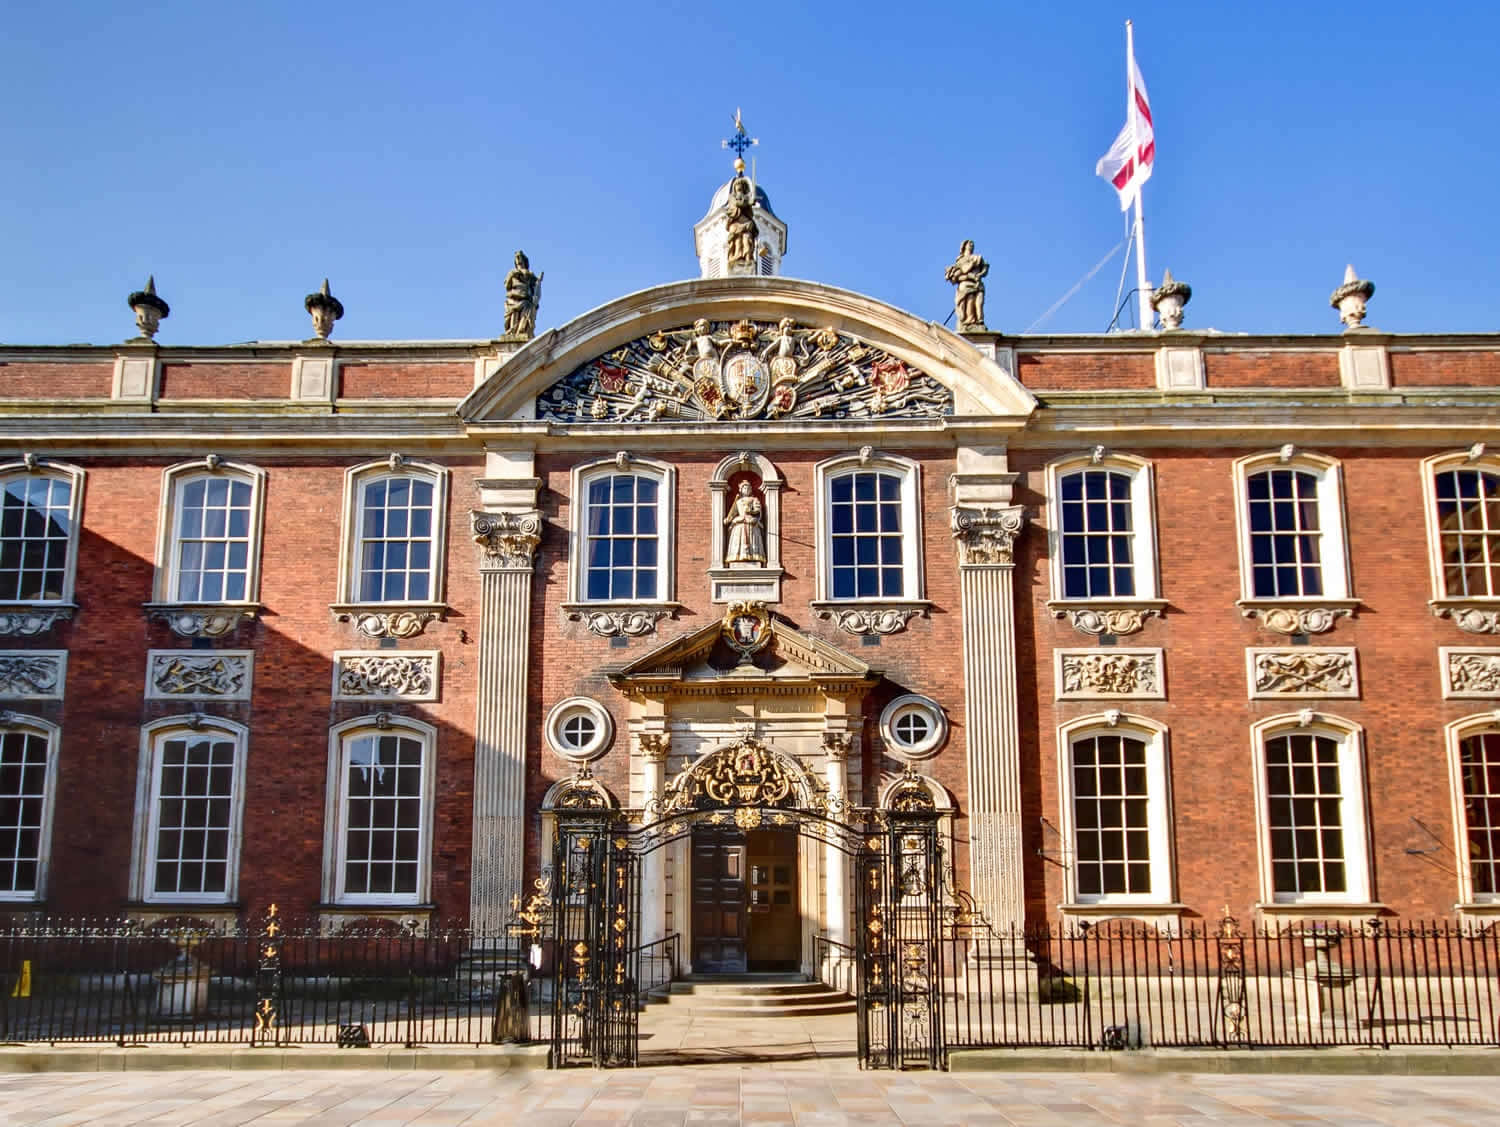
(1126, 985)
(280, 982)
(660, 963)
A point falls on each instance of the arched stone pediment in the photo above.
(852, 358)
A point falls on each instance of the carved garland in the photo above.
(1471, 673)
(1092, 673)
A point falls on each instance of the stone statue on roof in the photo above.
(523, 296)
(967, 274)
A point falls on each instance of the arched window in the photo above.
(378, 841)
(1103, 528)
(209, 543)
(1312, 825)
(1290, 516)
(1116, 811)
(1463, 519)
(1474, 757)
(622, 531)
(40, 503)
(28, 768)
(395, 517)
(190, 798)
(869, 529)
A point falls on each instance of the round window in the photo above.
(913, 727)
(579, 729)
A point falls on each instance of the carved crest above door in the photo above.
(713, 370)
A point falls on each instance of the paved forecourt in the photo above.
(821, 1092)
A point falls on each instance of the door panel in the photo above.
(775, 938)
(719, 920)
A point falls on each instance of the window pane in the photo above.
(1111, 815)
(396, 541)
(1096, 528)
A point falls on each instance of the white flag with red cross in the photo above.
(1128, 163)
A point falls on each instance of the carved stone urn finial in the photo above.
(1168, 300)
(1349, 299)
(149, 309)
(325, 310)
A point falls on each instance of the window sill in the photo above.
(213, 916)
(1478, 915)
(870, 616)
(622, 618)
(389, 620)
(337, 919)
(1165, 918)
(1299, 615)
(1107, 616)
(1283, 916)
(25, 619)
(1471, 615)
(203, 620)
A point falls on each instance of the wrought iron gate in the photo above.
(596, 911)
(899, 908)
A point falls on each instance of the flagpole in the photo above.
(1143, 286)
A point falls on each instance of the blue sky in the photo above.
(241, 152)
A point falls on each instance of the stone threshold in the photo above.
(161, 1058)
(1361, 1060)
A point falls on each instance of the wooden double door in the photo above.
(745, 905)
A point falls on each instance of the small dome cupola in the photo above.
(740, 235)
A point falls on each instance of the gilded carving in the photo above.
(609, 623)
(1304, 671)
(509, 540)
(869, 620)
(745, 774)
(385, 676)
(1088, 674)
(987, 536)
(28, 621)
(33, 674)
(198, 675)
(1471, 673)
(743, 370)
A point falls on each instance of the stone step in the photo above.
(838, 1005)
(753, 990)
(739, 996)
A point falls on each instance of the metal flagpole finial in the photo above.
(739, 142)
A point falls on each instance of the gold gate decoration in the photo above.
(747, 773)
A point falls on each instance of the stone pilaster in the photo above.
(508, 543)
(835, 861)
(986, 538)
(653, 748)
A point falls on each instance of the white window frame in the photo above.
(1473, 459)
(174, 480)
(75, 476)
(36, 726)
(336, 809)
(1142, 526)
(572, 707)
(582, 477)
(937, 727)
(1454, 734)
(1158, 811)
(1333, 543)
(1353, 814)
(355, 480)
(148, 808)
(913, 585)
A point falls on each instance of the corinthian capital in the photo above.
(987, 536)
(509, 540)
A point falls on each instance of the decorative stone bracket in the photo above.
(404, 620)
(1472, 616)
(1117, 618)
(507, 540)
(872, 618)
(621, 619)
(1298, 618)
(986, 537)
(27, 620)
(202, 620)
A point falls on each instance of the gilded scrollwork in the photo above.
(747, 773)
(743, 370)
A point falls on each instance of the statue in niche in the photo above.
(523, 295)
(747, 529)
(967, 275)
(743, 229)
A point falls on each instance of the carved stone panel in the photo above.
(199, 674)
(1302, 671)
(744, 370)
(386, 675)
(1470, 673)
(33, 674)
(1108, 672)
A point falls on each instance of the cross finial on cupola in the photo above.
(739, 142)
